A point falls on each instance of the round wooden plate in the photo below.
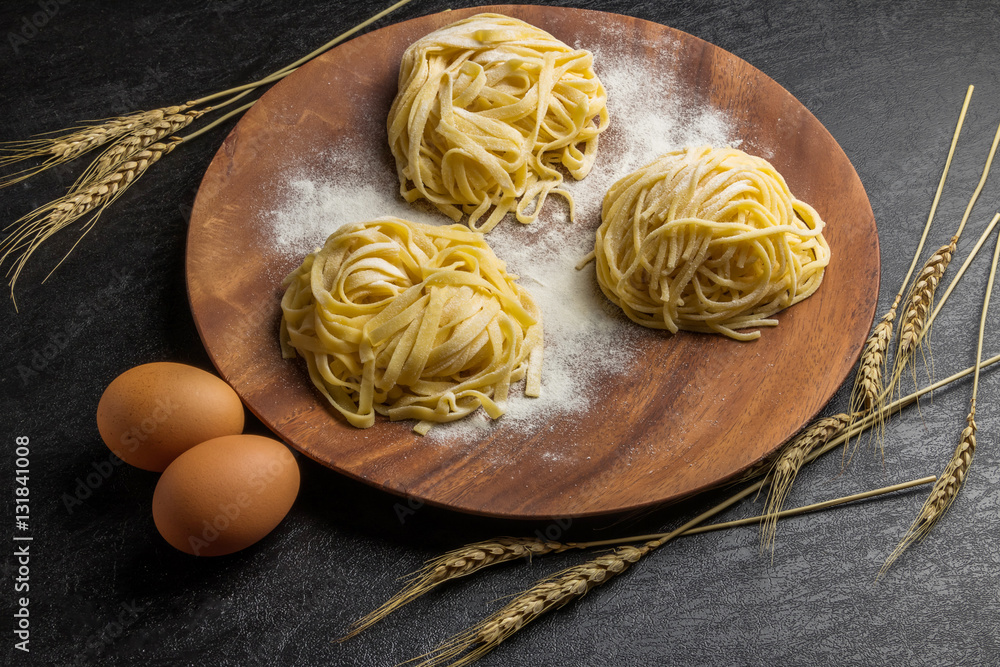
(693, 410)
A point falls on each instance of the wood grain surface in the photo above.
(693, 411)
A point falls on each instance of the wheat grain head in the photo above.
(36, 227)
(130, 145)
(548, 594)
(455, 564)
(789, 462)
(912, 328)
(70, 144)
(942, 494)
(867, 394)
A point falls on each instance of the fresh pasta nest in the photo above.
(486, 110)
(411, 321)
(709, 240)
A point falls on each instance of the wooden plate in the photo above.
(693, 410)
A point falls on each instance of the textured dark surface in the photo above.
(886, 78)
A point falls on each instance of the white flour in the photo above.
(586, 337)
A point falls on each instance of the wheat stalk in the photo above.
(953, 284)
(434, 574)
(867, 394)
(812, 507)
(77, 141)
(128, 146)
(693, 526)
(548, 594)
(472, 558)
(455, 564)
(790, 461)
(575, 582)
(946, 489)
(568, 585)
(943, 493)
(36, 227)
(73, 142)
(136, 138)
(913, 324)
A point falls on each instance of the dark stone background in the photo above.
(885, 77)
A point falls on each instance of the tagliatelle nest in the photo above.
(411, 321)
(487, 108)
(710, 240)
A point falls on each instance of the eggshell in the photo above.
(225, 494)
(152, 413)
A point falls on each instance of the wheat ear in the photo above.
(69, 144)
(128, 146)
(943, 493)
(867, 394)
(455, 564)
(913, 324)
(33, 229)
(546, 595)
(946, 489)
(786, 467)
(962, 269)
(77, 141)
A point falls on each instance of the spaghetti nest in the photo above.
(708, 240)
(487, 108)
(411, 321)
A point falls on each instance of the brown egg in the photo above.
(151, 414)
(225, 494)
